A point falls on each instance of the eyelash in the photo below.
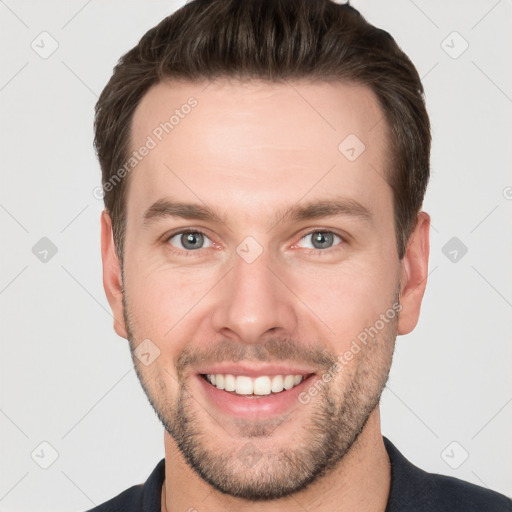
(183, 252)
(197, 252)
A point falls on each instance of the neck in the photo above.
(359, 483)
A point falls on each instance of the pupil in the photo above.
(322, 240)
(192, 240)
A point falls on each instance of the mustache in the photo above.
(272, 350)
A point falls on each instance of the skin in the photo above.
(248, 151)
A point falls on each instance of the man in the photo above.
(264, 166)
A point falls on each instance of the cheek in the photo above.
(161, 306)
(160, 298)
(347, 299)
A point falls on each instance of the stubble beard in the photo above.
(337, 416)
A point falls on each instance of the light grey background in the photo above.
(67, 378)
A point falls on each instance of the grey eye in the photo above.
(190, 240)
(320, 240)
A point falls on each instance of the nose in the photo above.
(252, 302)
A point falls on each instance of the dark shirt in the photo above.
(412, 490)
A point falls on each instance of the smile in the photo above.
(252, 395)
(261, 385)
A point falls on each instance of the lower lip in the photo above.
(246, 406)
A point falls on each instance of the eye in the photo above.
(189, 240)
(320, 240)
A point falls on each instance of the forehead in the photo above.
(256, 145)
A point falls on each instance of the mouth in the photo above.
(262, 385)
(254, 394)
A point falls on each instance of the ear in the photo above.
(112, 279)
(413, 274)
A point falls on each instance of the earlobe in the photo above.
(112, 280)
(414, 272)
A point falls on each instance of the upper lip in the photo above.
(252, 370)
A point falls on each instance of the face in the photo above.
(261, 275)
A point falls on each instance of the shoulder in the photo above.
(127, 501)
(448, 493)
(138, 498)
(415, 489)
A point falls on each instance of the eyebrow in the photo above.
(169, 208)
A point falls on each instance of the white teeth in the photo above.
(288, 382)
(277, 384)
(244, 385)
(263, 385)
(229, 383)
(218, 381)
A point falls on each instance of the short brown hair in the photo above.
(273, 40)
